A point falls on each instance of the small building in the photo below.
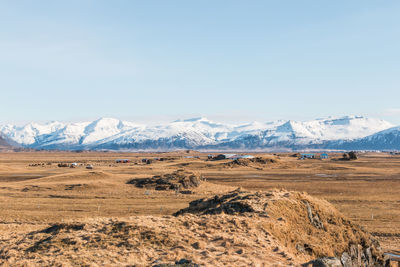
(324, 156)
(89, 166)
(224, 156)
(235, 157)
(307, 156)
(247, 157)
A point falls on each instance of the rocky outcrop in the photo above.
(314, 219)
(233, 203)
(177, 181)
(251, 162)
(357, 255)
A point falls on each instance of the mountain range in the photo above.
(4, 144)
(341, 133)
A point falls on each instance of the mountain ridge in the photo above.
(201, 133)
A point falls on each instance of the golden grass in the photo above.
(366, 190)
(269, 235)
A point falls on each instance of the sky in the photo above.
(226, 60)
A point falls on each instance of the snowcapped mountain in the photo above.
(197, 133)
(26, 135)
(4, 144)
(384, 140)
(310, 134)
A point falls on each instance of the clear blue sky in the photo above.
(232, 60)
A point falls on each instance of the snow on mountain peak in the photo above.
(188, 133)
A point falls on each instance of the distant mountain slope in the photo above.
(384, 140)
(316, 134)
(197, 133)
(5, 143)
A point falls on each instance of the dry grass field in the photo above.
(35, 192)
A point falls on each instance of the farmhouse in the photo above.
(225, 156)
(324, 156)
(89, 166)
(246, 157)
(307, 156)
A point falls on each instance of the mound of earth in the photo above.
(251, 162)
(172, 181)
(276, 228)
(306, 225)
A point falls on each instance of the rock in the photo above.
(161, 187)
(180, 263)
(232, 203)
(186, 263)
(313, 219)
(199, 245)
(362, 256)
(326, 262)
(250, 162)
(354, 254)
(240, 251)
(346, 260)
(368, 257)
(304, 248)
(186, 192)
(172, 181)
